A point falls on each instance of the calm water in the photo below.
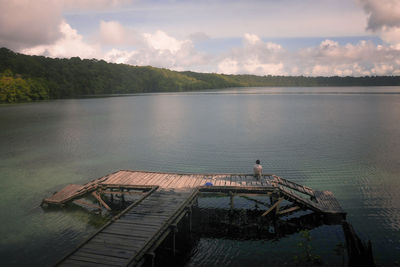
(346, 140)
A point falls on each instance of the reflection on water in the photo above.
(340, 139)
(240, 236)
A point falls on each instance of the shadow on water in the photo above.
(225, 226)
(214, 217)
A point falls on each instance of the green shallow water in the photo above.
(345, 140)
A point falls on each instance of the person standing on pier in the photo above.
(257, 169)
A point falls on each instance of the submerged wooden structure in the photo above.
(165, 198)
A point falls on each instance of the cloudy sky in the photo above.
(263, 37)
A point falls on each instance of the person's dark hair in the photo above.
(258, 161)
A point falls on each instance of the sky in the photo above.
(261, 37)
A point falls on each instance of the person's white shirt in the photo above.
(257, 170)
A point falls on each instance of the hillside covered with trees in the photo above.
(26, 78)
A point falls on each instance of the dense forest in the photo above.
(25, 78)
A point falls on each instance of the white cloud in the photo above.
(254, 57)
(228, 66)
(113, 33)
(161, 50)
(26, 23)
(39, 28)
(251, 38)
(71, 44)
(391, 36)
(162, 42)
(93, 4)
(119, 56)
(382, 13)
(384, 19)
(328, 59)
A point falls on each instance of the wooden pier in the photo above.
(133, 235)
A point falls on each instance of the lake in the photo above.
(345, 139)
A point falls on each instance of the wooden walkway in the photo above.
(320, 201)
(166, 198)
(126, 240)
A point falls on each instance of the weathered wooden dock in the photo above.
(165, 199)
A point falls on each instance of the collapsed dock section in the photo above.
(133, 235)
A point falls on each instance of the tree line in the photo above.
(27, 78)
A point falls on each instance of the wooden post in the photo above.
(97, 196)
(174, 231)
(273, 207)
(231, 195)
(189, 213)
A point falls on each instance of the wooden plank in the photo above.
(120, 178)
(99, 258)
(172, 181)
(289, 210)
(107, 251)
(107, 261)
(275, 206)
(328, 202)
(228, 180)
(166, 180)
(152, 180)
(115, 178)
(223, 179)
(188, 181)
(108, 238)
(114, 247)
(263, 181)
(132, 218)
(131, 222)
(254, 180)
(250, 180)
(141, 216)
(130, 178)
(143, 178)
(296, 198)
(203, 181)
(179, 181)
(149, 230)
(195, 181)
(104, 204)
(137, 178)
(71, 262)
(234, 181)
(65, 194)
(112, 178)
(112, 241)
(146, 223)
(105, 235)
(217, 181)
(239, 180)
(163, 180)
(244, 180)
